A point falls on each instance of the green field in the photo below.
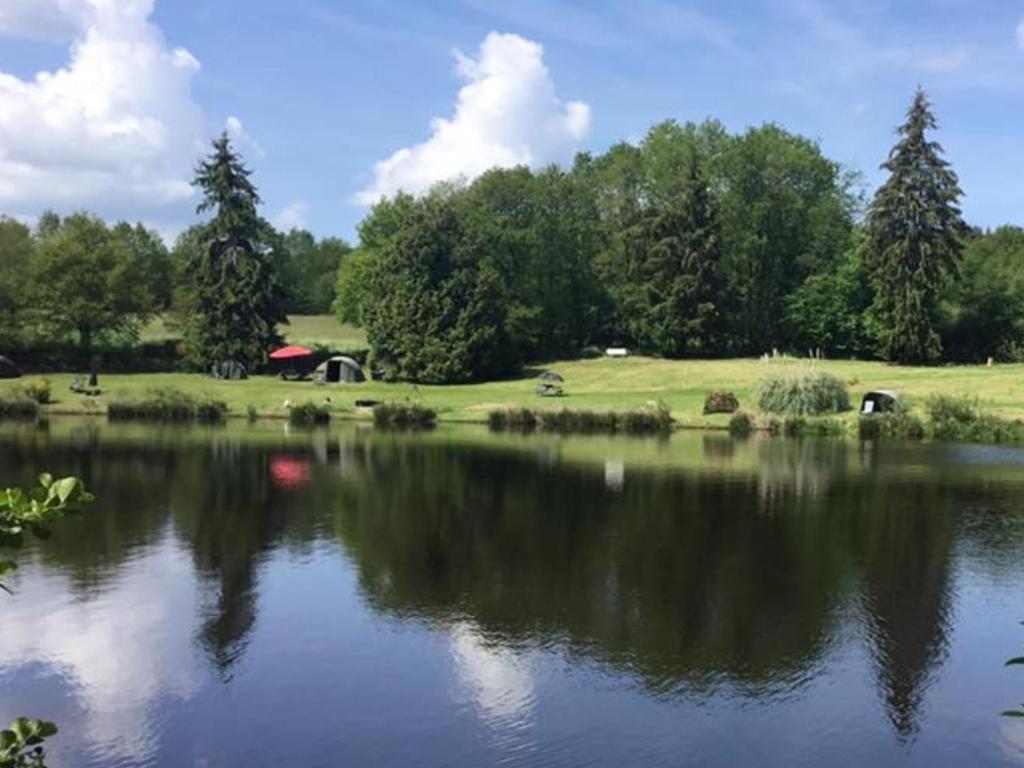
(307, 330)
(594, 384)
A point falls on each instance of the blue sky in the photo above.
(319, 92)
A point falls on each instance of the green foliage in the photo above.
(898, 425)
(787, 213)
(983, 310)
(234, 298)
(33, 511)
(721, 401)
(310, 271)
(963, 419)
(87, 280)
(309, 414)
(403, 416)
(152, 261)
(829, 311)
(656, 418)
(168, 404)
(14, 405)
(914, 241)
(673, 280)
(809, 394)
(21, 744)
(20, 513)
(17, 250)
(36, 389)
(439, 310)
(741, 425)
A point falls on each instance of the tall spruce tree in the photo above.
(676, 304)
(914, 241)
(236, 297)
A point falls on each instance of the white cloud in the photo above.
(248, 146)
(114, 128)
(507, 114)
(1020, 33)
(292, 216)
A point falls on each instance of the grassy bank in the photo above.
(599, 384)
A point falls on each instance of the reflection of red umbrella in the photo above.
(289, 471)
(290, 353)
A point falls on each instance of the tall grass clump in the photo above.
(809, 394)
(309, 414)
(167, 404)
(403, 416)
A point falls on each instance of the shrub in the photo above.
(522, 419)
(309, 413)
(721, 402)
(18, 408)
(741, 425)
(944, 409)
(35, 389)
(403, 415)
(899, 425)
(251, 413)
(168, 404)
(648, 420)
(810, 394)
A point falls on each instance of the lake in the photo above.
(261, 596)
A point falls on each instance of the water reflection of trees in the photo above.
(689, 580)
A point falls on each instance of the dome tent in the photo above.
(338, 369)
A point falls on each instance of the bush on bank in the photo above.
(166, 404)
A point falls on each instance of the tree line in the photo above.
(234, 276)
(693, 242)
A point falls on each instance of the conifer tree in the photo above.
(914, 242)
(236, 297)
(678, 309)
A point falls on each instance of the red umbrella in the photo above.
(290, 353)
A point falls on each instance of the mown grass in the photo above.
(600, 384)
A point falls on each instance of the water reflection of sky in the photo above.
(352, 649)
(117, 654)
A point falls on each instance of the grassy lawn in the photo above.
(307, 330)
(594, 384)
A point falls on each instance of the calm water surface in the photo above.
(259, 597)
